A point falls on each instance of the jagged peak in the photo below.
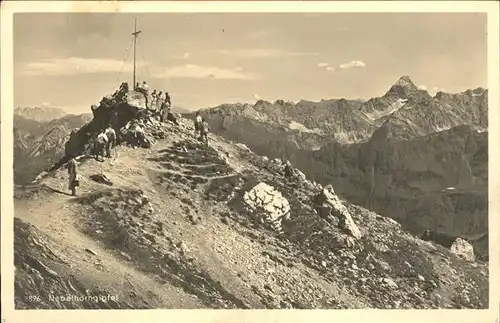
(404, 88)
(261, 102)
(405, 81)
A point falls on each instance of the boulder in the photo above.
(264, 198)
(327, 196)
(463, 249)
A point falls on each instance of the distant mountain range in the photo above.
(39, 144)
(40, 113)
(420, 159)
(405, 112)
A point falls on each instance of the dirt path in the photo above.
(54, 216)
(159, 170)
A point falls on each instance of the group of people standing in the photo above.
(100, 147)
(158, 98)
(104, 143)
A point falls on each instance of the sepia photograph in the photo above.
(250, 160)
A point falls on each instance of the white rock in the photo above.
(265, 198)
(341, 211)
(463, 249)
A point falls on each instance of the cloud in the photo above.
(75, 65)
(257, 97)
(422, 87)
(259, 53)
(202, 72)
(79, 66)
(327, 66)
(352, 64)
(186, 55)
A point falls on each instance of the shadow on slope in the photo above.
(44, 279)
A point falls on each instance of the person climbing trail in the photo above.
(73, 180)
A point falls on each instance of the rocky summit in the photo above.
(177, 224)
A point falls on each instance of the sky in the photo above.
(72, 60)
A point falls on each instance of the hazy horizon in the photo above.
(71, 60)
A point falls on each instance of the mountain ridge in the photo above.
(450, 130)
(40, 113)
(39, 144)
(181, 227)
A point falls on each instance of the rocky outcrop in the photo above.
(329, 205)
(268, 203)
(463, 249)
(116, 110)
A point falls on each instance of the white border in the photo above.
(11, 7)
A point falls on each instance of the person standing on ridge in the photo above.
(145, 91)
(154, 97)
(197, 124)
(72, 176)
(204, 131)
(100, 145)
(159, 99)
(111, 143)
(164, 111)
(167, 99)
